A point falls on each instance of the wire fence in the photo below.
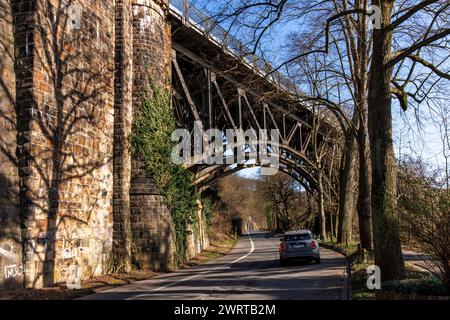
(193, 17)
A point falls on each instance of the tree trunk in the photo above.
(277, 218)
(310, 210)
(346, 192)
(387, 247)
(287, 222)
(320, 205)
(363, 205)
(331, 226)
(336, 223)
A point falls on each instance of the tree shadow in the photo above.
(11, 275)
(62, 110)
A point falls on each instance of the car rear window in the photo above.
(295, 237)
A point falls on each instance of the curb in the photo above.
(346, 291)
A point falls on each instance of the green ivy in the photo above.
(207, 210)
(150, 140)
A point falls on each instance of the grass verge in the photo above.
(416, 285)
(215, 250)
(348, 249)
(89, 286)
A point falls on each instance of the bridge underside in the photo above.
(213, 86)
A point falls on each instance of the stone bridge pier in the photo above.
(140, 207)
(152, 234)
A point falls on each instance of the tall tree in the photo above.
(345, 72)
(388, 253)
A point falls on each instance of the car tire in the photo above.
(317, 260)
(283, 262)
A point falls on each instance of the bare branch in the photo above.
(429, 65)
(409, 14)
(402, 54)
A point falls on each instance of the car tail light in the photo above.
(282, 247)
(313, 245)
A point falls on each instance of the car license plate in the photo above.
(298, 246)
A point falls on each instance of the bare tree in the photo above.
(442, 119)
(412, 37)
(425, 209)
(280, 192)
(322, 143)
(385, 58)
(346, 73)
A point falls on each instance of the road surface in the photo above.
(418, 260)
(250, 271)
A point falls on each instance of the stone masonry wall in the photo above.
(11, 270)
(73, 201)
(64, 105)
(151, 223)
(198, 239)
(70, 221)
(123, 83)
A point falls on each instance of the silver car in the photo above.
(299, 245)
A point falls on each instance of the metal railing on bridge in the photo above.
(193, 17)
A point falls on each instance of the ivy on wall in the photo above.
(150, 139)
(207, 210)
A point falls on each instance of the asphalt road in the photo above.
(250, 271)
(418, 260)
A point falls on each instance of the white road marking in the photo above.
(252, 248)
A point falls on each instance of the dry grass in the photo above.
(216, 250)
(89, 286)
(359, 277)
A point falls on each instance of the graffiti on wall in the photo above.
(10, 262)
(7, 254)
(73, 252)
(14, 271)
(73, 279)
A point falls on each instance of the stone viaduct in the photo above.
(73, 73)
